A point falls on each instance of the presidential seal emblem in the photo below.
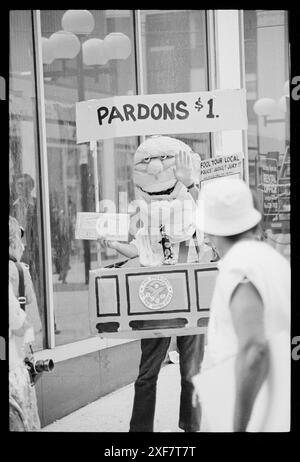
(155, 292)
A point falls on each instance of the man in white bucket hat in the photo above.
(245, 380)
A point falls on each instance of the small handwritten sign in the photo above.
(221, 166)
(111, 226)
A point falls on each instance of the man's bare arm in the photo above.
(252, 362)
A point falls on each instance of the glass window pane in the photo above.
(267, 76)
(71, 168)
(174, 49)
(24, 175)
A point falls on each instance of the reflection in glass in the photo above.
(174, 59)
(267, 77)
(70, 166)
(23, 165)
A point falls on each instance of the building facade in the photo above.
(52, 178)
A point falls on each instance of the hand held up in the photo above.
(183, 170)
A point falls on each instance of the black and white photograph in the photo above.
(149, 220)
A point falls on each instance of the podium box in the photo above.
(142, 302)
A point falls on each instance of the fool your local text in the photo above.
(226, 163)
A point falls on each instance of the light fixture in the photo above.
(118, 45)
(80, 22)
(47, 52)
(94, 52)
(65, 45)
(265, 106)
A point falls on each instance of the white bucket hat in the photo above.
(226, 207)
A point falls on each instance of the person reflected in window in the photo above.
(24, 209)
(25, 201)
(62, 234)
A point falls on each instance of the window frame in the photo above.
(42, 141)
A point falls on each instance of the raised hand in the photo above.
(184, 168)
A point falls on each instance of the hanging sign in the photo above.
(270, 186)
(171, 113)
(221, 166)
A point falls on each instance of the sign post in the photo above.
(93, 148)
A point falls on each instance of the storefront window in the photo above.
(173, 48)
(174, 59)
(267, 77)
(24, 174)
(68, 80)
(167, 54)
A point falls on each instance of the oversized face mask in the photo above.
(154, 164)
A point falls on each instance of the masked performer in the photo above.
(165, 173)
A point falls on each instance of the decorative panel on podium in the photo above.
(141, 302)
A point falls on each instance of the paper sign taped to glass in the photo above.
(140, 302)
(92, 225)
(225, 165)
(172, 113)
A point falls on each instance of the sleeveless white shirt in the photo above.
(270, 273)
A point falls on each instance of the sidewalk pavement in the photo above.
(112, 412)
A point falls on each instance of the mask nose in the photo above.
(155, 167)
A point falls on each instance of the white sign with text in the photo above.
(219, 166)
(93, 225)
(171, 113)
